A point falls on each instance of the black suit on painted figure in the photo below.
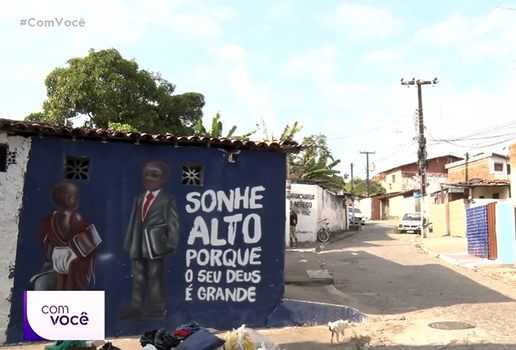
(153, 234)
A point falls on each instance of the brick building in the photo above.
(488, 167)
(406, 177)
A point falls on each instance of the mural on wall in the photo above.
(302, 203)
(173, 250)
(152, 235)
(69, 243)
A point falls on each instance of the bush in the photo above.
(395, 229)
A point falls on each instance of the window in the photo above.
(11, 157)
(77, 168)
(498, 166)
(4, 151)
(192, 174)
(508, 169)
(393, 180)
(481, 197)
(496, 195)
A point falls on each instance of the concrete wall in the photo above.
(11, 197)
(396, 207)
(457, 218)
(512, 176)
(487, 192)
(313, 203)
(235, 215)
(332, 208)
(479, 169)
(406, 178)
(364, 205)
(438, 219)
(303, 198)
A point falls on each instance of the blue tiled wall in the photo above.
(476, 231)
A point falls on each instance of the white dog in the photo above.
(338, 328)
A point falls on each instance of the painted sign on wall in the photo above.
(162, 247)
(302, 203)
(212, 269)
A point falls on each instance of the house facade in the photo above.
(147, 217)
(312, 204)
(406, 177)
(486, 167)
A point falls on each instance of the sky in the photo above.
(333, 66)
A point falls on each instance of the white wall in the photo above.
(312, 203)
(332, 208)
(11, 196)
(365, 207)
(303, 198)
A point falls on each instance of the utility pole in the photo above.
(368, 183)
(466, 177)
(352, 196)
(466, 165)
(422, 145)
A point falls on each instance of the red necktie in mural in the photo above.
(146, 206)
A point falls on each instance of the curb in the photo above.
(311, 282)
(455, 262)
(344, 236)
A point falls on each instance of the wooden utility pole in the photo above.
(352, 196)
(466, 167)
(422, 145)
(368, 183)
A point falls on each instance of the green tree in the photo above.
(316, 163)
(360, 187)
(216, 130)
(111, 91)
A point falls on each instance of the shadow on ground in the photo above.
(358, 343)
(378, 286)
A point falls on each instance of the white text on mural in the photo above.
(221, 262)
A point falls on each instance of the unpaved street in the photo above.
(388, 278)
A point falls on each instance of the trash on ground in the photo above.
(248, 339)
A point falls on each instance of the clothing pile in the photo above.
(189, 336)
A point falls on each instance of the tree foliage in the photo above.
(360, 187)
(316, 163)
(216, 130)
(111, 91)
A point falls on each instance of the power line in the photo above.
(368, 131)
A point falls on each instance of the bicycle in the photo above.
(323, 235)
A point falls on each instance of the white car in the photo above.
(359, 217)
(410, 223)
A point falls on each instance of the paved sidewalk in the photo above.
(454, 251)
(303, 268)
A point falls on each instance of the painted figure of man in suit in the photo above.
(153, 234)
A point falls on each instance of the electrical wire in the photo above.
(368, 131)
(408, 144)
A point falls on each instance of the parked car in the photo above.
(411, 223)
(359, 217)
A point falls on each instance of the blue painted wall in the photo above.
(505, 233)
(106, 200)
(477, 231)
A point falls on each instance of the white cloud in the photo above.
(318, 64)
(360, 22)
(108, 21)
(255, 98)
(384, 55)
(282, 12)
(476, 38)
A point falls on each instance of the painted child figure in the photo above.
(69, 241)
